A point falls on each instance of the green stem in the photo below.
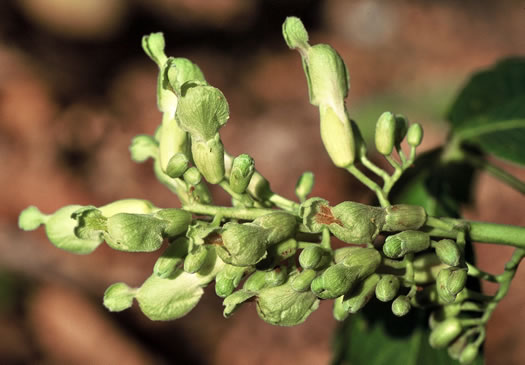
(227, 212)
(477, 273)
(495, 171)
(243, 198)
(284, 203)
(381, 196)
(374, 168)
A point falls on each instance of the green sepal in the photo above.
(441, 286)
(118, 297)
(177, 220)
(199, 231)
(137, 206)
(314, 257)
(177, 165)
(335, 281)
(338, 311)
(316, 214)
(283, 306)
(192, 176)
(134, 232)
(143, 147)
(232, 302)
(243, 244)
(256, 281)
(356, 223)
(448, 252)
(387, 287)
(196, 259)
(60, 230)
(228, 279)
(202, 110)
(154, 45)
(172, 258)
(457, 281)
(31, 218)
(242, 170)
(277, 276)
(304, 185)
(295, 34)
(337, 135)
(405, 242)
(208, 156)
(280, 225)
(91, 224)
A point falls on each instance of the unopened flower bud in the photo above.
(337, 135)
(281, 226)
(304, 185)
(398, 245)
(209, 158)
(441, 286)
(278, 253)
(143, 147)
(241, 173)
(234, 300)
(457, 281)
(303, 280)
(415, 135)
(255, 282)
(361, 295)
(401, 128)
(457, 346)
(401, 217)
(243, 244)
(334, 281)
(192, 176)
(195, 260)
(295, 34)
(118, 297)
(277, 276)
(401, 306)
(387, 287)
(448, 252)
(228, 279)
(259, 187)
(172, 258)
(177, 221)
(469, 354)
(153, 45)
(445, 333)
(353, 222)
(177, 165)
(385, 133)
(313, 257)
(339, 312)
(182, 70)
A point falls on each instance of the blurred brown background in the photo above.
(75, 87)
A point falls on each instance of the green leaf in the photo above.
(489, 89)
(376, 337)
(500, 131)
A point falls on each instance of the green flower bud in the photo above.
(445, 333)
(398, 245)
(304, 185)
(195, 260)
(441, 286)
(415, 135)
(442, 313)
(172, 258)
(143, 147)
(426, 268)
(457, 281)
(241, 173)
(173, 139)
(192, 176)
(401, 128)
(283, 306)
(243, 244)
(135, 206)
(60, 228)
(295, 34)
(181, 71)
(385, 133)
(177, 165)
(365, 260)
(457, 346)
(31, 218)
(337, 135)
(177, 221)
(209, 158)
(302, 281)
(202, 110)
(277, 276)
(469, 354)
(153, 45)
(255, 282)
(118, 297)
(354, 222)
(281, 226)
(448, 252)
(228, 279)
(234, 300)
(314, 257)
(259, 187)
(401, 217)
(328, 80)
(387, 287)
(201, 194)
(339, 312)
(401, 306)
(429, 297)
(361, 295)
